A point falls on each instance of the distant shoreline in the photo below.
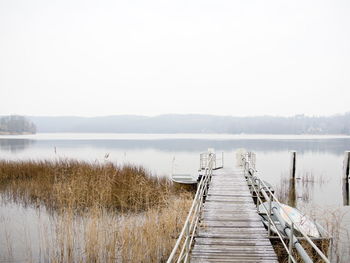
(198, 124)
(16, 133)
(171, 136)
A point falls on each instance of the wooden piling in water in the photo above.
(346, 166)
(346, 193)
(292, 197)
(293, 164)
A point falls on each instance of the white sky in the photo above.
(104, 57)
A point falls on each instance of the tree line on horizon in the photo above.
(15, 124)
(192, 123)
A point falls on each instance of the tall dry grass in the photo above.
(102, 237)
(78, 185)
(99, 212)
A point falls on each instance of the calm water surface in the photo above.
(319, 167)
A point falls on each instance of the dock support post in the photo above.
(292, 197)
(293, 164)
(346, 178)
(346, 166)
(346, 192)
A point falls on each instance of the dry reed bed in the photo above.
(100, 212)
(102, 237)
(81, 185)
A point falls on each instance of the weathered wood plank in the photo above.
(232, 242)
(220, 260)
(238, 224)
(228, 249)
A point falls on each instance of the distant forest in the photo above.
(174, 123)
(16, 125)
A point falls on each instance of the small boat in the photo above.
(184, 178)
(301, 221)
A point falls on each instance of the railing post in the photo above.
(222, 159)
(330, 249)
(244, 169)
(206, 180)
(258, 194)
(269, 228)
(291, 243)
(187, 245)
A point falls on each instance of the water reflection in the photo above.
(15, 145)
(334, 146)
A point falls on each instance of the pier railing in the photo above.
(259, 188)
(217, 160)
(181, 250)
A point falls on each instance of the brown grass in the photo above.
(102, 237)
(99, 212)
(282, 254)
(81, 185)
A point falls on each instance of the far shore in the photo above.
(16, 133)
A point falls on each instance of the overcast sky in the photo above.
(241, 58)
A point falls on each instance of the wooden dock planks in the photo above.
(231, 229)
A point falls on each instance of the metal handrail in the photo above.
(188, 231)
(221, 161)
(204, 158)
(262, 188)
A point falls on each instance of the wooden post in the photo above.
(346, 192)
(292, 197)
(293, 164)
(346, 178)
(346, 166)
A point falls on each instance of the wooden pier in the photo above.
(230, 229)
(224, 225)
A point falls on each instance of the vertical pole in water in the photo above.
(346, 178)
(292, 193)
(293, 164)
(292, 199)
(346, 166)
(346, 194)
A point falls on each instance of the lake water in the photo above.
(319, 162)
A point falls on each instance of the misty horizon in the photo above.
(183, 114)
(228, 58)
